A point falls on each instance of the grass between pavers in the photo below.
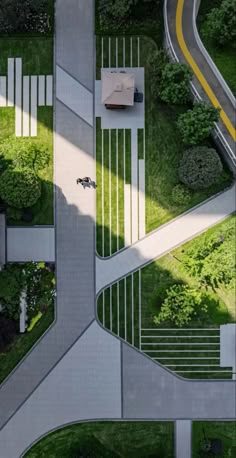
(42, 211)
(109, 439)
(223, 430)
(144, 287)
(163, 147)
(223, 56)
(23, 343)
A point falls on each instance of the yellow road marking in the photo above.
(197, 71)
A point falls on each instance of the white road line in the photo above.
(141, 212)
(118, 308)
(110, 217)
(109, 51)
(123, 51)
(182, 329)
(125, 312)
(49, 90)
(183, 351)
(187, 357)
(33, 106)
(41, 90)
(131, 51)
(178, 337)
(138, 52)
(103, 308)
(140, 306)
(201, 344)
(18, 97)
(134, 185)
(26, 117)
(10, 82)
(127, 213)
(3, 91)
(102, 54)
(132, 309)
(117, 190)
(192, 365)
(102, 193)
(116, 51)
(110, 308)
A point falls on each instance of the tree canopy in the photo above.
(196, 124)
(175, 83)
(24, 152)
(220, 26)
(23, 16)
(20, 187)
(200, 167)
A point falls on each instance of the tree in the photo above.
(20, 187)
(23, 16)
(157, 62)
(200, 167)
(175, 83)
(10, 289)
(196, 124)
(181, 306)
(115, 11)
(220, 26)
(24, 152)
(219, 267)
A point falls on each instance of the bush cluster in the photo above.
(19, 16)
(181, 195)
(20, 187)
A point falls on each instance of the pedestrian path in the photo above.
(165, 239)
(26, 93)
(25, 244)
(183, 439)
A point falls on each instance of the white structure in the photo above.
(117, 87)
(228, 346)
(26, 93)
(23, 309)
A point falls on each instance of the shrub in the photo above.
(23, 152)
(10, 289)
(220, 26)
(181, 195)
(181, 306)
(14, 213)
(20, 188)
(175, 83)
(196, 124)
(24, 16)
(115, 12)
(200, 167)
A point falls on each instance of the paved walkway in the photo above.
(183, 436)
(165, 239)
(180, 23)
(30, 244)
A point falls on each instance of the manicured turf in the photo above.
(23, 343)
(37, 58)
(223, 430)
(224, 57)
(132, 303)
(108, 440)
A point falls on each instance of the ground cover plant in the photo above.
(38, 282)
(108, 439)
(172, 308)
(205, 431)
(212, 32)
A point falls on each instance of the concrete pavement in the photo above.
(165, 239)
(30, 244)
(183, 436)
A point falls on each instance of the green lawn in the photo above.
(223, 430)
(108, 440)
(128, 307)
(224, 57)
(37, 58)
(23, 343)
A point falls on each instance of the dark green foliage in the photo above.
(20, 187)
(10, 288)
(40, 281)
(23, 152)
(14, 213)
(181, 195)
(175, 83)
(196, 124)
(24, 16)
(181, 306)
(8, 330)
(157, 62)
(115, 11)
(220, 26)
(200, 167)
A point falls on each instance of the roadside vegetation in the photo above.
(205, 434)
(37, 281)
(217, 27)
(108, 439)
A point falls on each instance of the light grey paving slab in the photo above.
(75, 96)
(41, 90)
(183, 436)
(30, 244)
(26, 117)
(86, 384)
(2, 239)
(3, 91)
(150, 391)
(127, 213)
(33, 106)
(75, 39)
(134, 184)
(228, 346)
(49, 83)
(18, 97)
(10, 82)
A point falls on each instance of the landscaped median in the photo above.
(173, 308)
